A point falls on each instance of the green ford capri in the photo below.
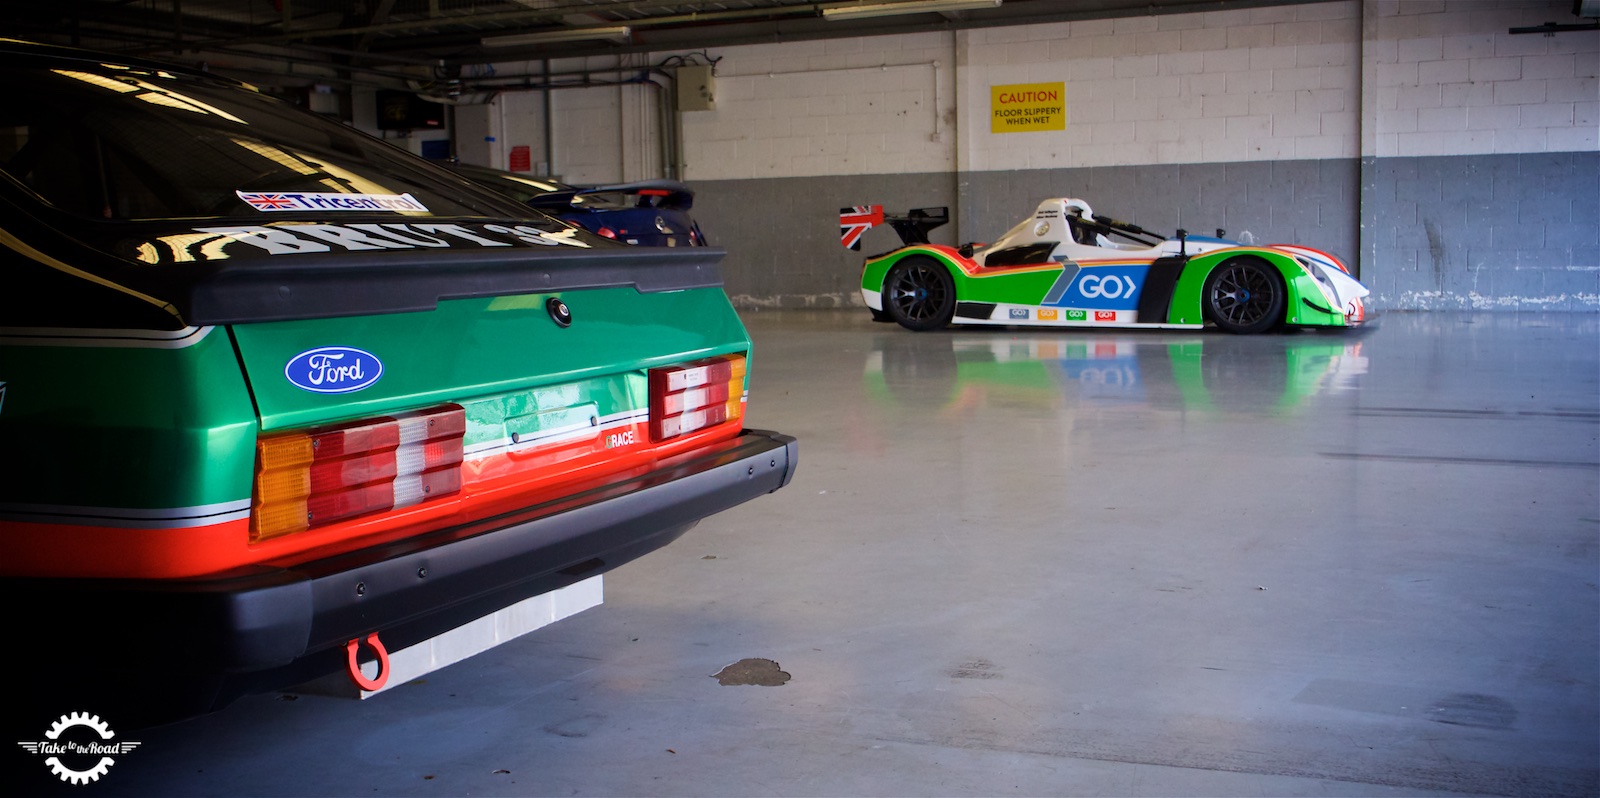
(273, 392)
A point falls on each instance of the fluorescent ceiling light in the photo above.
(860, 10)
(620, 32)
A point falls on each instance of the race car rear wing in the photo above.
(647, 194)
(913, 227)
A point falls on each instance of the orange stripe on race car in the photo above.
(499, 482)
(1331, 259)
(972, 269)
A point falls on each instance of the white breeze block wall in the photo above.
(1450, 80)
(602, 133)
(841, 107)
(1246, 85)
(1442, 77)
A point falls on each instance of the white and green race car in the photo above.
(1067, 266)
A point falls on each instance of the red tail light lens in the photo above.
(693, 396)
(312, 478)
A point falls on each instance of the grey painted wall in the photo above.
(1488, 231)
(782, 235)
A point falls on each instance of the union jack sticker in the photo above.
(329, 201)
(268, 202)
(857, 220)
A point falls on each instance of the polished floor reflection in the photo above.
(1053, 563)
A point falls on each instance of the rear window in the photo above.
(108, 141)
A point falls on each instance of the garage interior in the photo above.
(1107, 562)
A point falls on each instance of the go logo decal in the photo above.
(1110, 286)
(1106, 287)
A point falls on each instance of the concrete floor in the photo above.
(1046, 563)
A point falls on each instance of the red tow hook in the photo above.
(376, 683)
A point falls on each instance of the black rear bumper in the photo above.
(267, 628)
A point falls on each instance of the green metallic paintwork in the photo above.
(100, 426)
(538, 411)
(481, 347)
(1187, 305)
(1030, 287)
(116, 427)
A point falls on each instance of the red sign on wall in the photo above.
(521, 159)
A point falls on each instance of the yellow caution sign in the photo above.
(1024, 107)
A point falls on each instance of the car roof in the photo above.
(20, 50)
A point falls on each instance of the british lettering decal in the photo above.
(329, 201)
(333, 369)
(297, 239)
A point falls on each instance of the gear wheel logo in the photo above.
(80, 747)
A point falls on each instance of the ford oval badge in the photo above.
(333, 369)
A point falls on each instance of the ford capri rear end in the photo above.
(269, 387)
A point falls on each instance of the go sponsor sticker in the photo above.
(333, 369)
(1107, 287)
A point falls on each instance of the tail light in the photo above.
(693, 396)
(312, 478)
(607, 232)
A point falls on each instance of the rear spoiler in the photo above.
(651, 193)
(668, 194)
(913, 227)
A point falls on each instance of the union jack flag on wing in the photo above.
(855, 221)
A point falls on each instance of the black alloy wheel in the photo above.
(1244, 296)
(919, 294)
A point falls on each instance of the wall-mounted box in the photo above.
(697, 88)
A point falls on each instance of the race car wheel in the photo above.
(919, 294)
(1244, 295)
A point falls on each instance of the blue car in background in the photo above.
(649, 213)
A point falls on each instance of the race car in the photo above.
(278, 398)
(648, 213)
(1067, 266)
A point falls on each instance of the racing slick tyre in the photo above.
(1244, 295)
(919, 294)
